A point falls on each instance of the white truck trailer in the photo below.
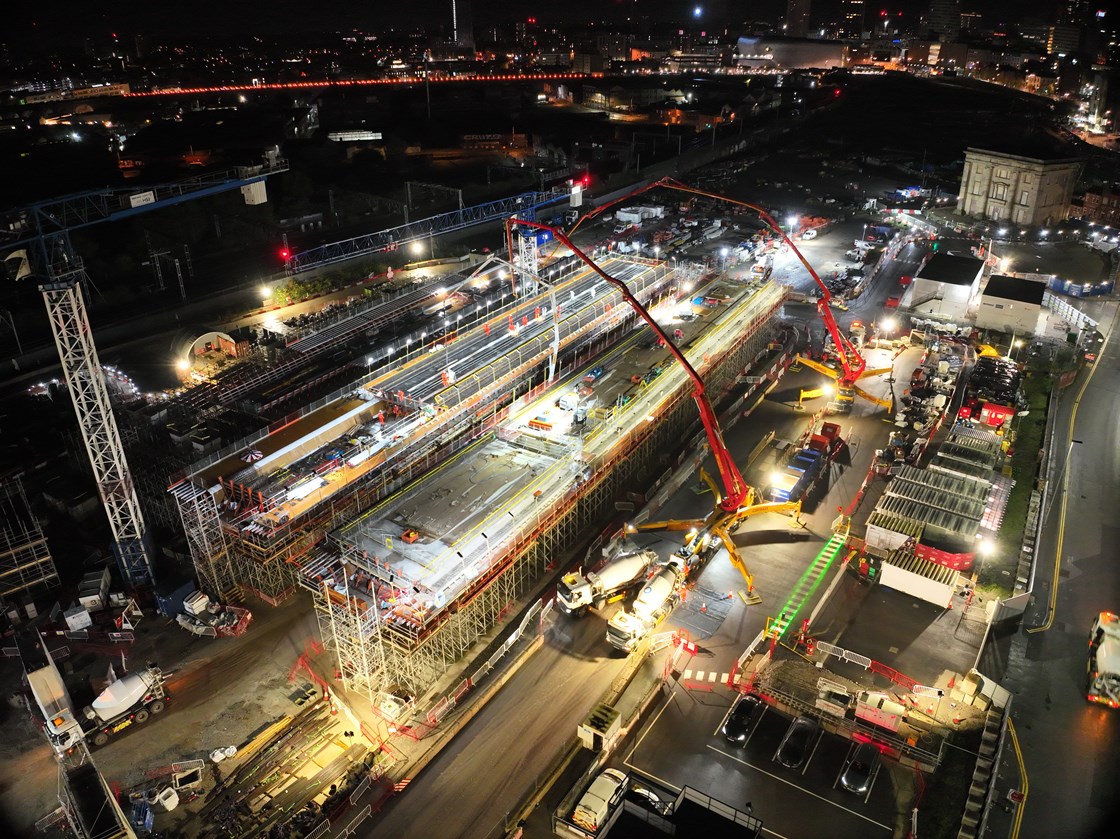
(1103, 674)
(655, 601)
(576, 592)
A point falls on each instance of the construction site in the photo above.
(406, 582)
(513, 414)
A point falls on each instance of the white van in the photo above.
(605, 792)
(811, 233)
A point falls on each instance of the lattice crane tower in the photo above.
(46, 227)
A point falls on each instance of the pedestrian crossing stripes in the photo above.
(711, 676)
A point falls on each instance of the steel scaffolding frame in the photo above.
(25, 558)
(207, 541)
(268, 562)
(374, 656)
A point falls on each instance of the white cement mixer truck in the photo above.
(576, 592)
(129, 700)
(654, 602)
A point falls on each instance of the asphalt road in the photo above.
(1071, 749)
(468, 789)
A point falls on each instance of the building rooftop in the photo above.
(952, 269)
(1015, 288)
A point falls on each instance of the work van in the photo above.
(605, 792)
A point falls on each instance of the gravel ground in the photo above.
(223, 691)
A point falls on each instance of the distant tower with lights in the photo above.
(945, 19)
(797, 18)
(852, 14)
(462, 26)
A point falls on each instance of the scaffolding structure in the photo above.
(207, 541)
(25, 558)
(378, 656)
(265, 556)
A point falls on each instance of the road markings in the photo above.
(1025, 785)
(795, 786)
(1052, 604)
(704, 675)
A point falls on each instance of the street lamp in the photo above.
(417, 248)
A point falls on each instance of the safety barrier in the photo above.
(536, 613)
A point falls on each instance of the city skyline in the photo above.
(289, 16)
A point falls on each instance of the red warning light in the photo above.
(285, 254)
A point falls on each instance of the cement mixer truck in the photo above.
(129, 700)
(576, 592)
(1104, 661)
(653, 604)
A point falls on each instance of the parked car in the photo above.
(594, 374)
(648, 799)
(861, 768)
(743, 715)
(794, 749)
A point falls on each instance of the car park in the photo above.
(797, 743)
(860, 768)
(744, 714)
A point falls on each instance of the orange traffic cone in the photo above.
(929, 710)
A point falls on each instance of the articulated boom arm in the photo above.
(853, 363)
(736, 490)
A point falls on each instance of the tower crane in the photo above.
(44, 229)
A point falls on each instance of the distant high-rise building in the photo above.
(797, 18)
(1073, 12)
(945, 19)
(462, 26)
(851, 18)
(971, 21)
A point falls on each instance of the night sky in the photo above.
(70, 18)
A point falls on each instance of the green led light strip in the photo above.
(820, 564)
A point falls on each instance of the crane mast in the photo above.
(85, 380)
(46, 228)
